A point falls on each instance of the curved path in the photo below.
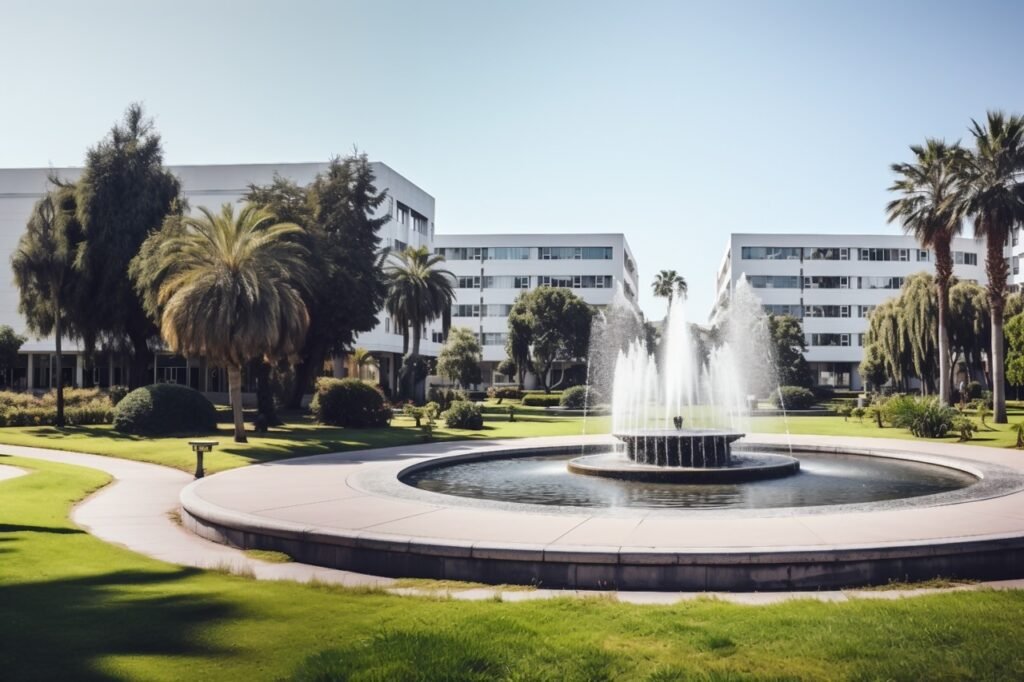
(349, 510)
(138, 511)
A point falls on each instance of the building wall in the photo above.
(791, 261)
(212, 186)
(486, 258)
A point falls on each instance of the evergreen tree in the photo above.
(788, 349)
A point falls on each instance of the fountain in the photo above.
(677, 419)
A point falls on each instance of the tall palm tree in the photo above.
(419, 292)
(362, 360)
(229, 288)
(923, 208)
(991, 193)
(43, 265)
(667, 284)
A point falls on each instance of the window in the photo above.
(597, 253)
(403, 214)
(497, 309)
(860, 339)
(826, 311)
(864, 310)
(826, 282)
(576, 281)
(420, 222)
(387, 325)
(461, 253)
(965, 258)
(575, 253)
(885, 254)
(400, 245)
(468, 282)
(437, 337)
(774, 281)
(783, 309)
(1016, 265)
(828, 339)
(879, 282)
(493, 338)
(1015, 236)
(506, 282)
(466, 310)
(825, 253)
(508, 253)
(922, 256)
(770, 253)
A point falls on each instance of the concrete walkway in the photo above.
(139, 511)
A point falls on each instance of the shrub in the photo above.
(463, 415)
(444, 397)
(117, 394)
(858, 413)
(349, 402)
(923, 417)
(579, 398)
(504, 392)
(823, 394)
(963, 426)
(1018, 429)
(981, 408)
(844, 410)
(162, 409)
(541, 400)
(973, 391)
(793, 398)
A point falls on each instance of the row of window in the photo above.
(823, 282)
(834, 339)
(796, 310)
(404, 215)
(842, 253)
(523, 281)
(485, 310)
(526, 252)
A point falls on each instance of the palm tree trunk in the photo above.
(411, 357)
(995, 267)
(998, 369)
(943, 271)
(235, 396)
(59, 421)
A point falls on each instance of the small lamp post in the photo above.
(201, 447)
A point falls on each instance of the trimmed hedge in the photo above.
(541, 400)
(349, 402)
(504, 393)
(579, 398)
(463, 415)
(165, 409)
(793, 398)
(96, 412)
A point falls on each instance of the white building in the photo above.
(412, 224)
(832, 282)
(493, 269)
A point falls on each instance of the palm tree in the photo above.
(229, 288)
(43, 271)
(362, 360)
(923, 209)
(419, 292)
(991, 193)
(667, 284)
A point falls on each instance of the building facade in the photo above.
(491, 270)
(832, 282)
(411, 212)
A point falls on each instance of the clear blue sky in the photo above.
(676, 123)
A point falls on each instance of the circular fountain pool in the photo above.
(823, 480)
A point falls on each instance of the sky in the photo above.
(675, 123)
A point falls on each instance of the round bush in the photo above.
(793, 398)
(163, 409)
(349, 402)
(463, 415)
(579, 398)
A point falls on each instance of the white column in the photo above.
(30, 372)
(79, 370)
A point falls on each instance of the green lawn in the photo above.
(299, 436)
(74, 607)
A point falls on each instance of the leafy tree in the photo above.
(667, 284)
(10, 343)
(1015, 355)
(338, 212)
(419, 292)
(44, 272)
(886, 329)
(228, 288)
(788, 349)
(991, 194)
(924, 210)
(459, 359)
(554, 324)
(873, 367)
(969, 326)
(918, 312)
(508, 367)
(124, 193)
(363, 361)
(517, 345)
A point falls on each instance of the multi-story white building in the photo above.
(493, 269)
(832, 282)
(412, 224)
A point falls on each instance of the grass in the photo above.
(74, 607)
(299, 436)
(268, 555)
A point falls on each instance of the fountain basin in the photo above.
(741, 468)
(692, 448)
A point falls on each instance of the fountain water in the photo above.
(677, 418)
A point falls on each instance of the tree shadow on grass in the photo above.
(63, 629)
(15, 528)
